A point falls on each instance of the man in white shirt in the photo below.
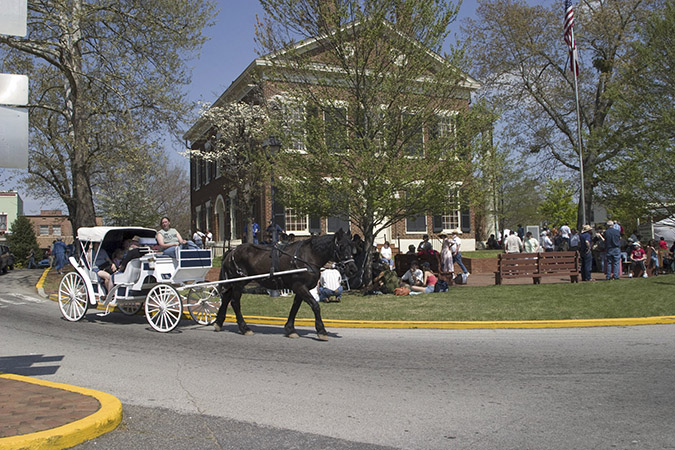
(546, 242)
(385, 254)
(565, 232)
(414, 275)
(330, 283)
(513, 244)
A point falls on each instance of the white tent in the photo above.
(665, 228)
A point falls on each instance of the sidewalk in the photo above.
(42, 414)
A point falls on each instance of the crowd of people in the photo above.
(604, 249)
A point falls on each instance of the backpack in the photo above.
(441, 286)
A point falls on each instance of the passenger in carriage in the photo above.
(106, 270)
(169, 239)
(134, 251)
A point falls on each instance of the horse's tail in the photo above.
(225, 272)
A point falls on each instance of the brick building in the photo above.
(50, 225)
(212, 198)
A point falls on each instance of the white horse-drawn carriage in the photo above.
(153, 280)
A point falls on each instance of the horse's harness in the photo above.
(278, 250)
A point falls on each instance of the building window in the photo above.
(416, 224)
(3, 222)
(44, 230)
(297, 124)
(207, 217)
(295, 221)
(56, 230)
(337, 222)
(451, 220)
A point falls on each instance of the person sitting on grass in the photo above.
(414, 276)
(428, 280)
(330, 283)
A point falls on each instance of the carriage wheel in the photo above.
(73, 300)
(129, 309)
(203, 304)
(163, 308)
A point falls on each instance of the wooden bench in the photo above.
(537, 265)
(402, 263)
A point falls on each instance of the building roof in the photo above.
(242, 84)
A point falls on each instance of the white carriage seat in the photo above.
(131, 274)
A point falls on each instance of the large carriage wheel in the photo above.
(73, 301)
(163, 308)
(203, 304)
(129, 308)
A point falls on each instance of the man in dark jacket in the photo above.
(613, 247)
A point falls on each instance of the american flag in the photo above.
(569, 36)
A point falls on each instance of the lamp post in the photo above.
(272, 146)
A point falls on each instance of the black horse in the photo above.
(252, 259)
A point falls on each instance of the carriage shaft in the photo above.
(248, 278)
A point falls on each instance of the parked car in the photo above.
(6, 259)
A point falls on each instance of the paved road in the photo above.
(414, 389)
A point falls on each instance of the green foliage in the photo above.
(558, 207)
(142, 191)
(22, 239)
(642, 184)
(104, 80)
(378, 127)
(519, 53)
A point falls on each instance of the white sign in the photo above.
(13, 89)
(13, 17)
(13, 137)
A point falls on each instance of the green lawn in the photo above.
(625, 298)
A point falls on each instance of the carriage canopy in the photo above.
(100, 234)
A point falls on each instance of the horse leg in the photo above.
(236, 306)
(290, 323)
(225, 298)
(318, 322)
(302, 293)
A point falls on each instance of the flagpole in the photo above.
(579, 145)
(568, 28)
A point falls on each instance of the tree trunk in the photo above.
(83, 214)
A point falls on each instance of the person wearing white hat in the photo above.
(546, 242)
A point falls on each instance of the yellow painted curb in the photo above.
(463, 325)
(103, 421)
(41, 282)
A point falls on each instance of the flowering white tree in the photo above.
(237, 132)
